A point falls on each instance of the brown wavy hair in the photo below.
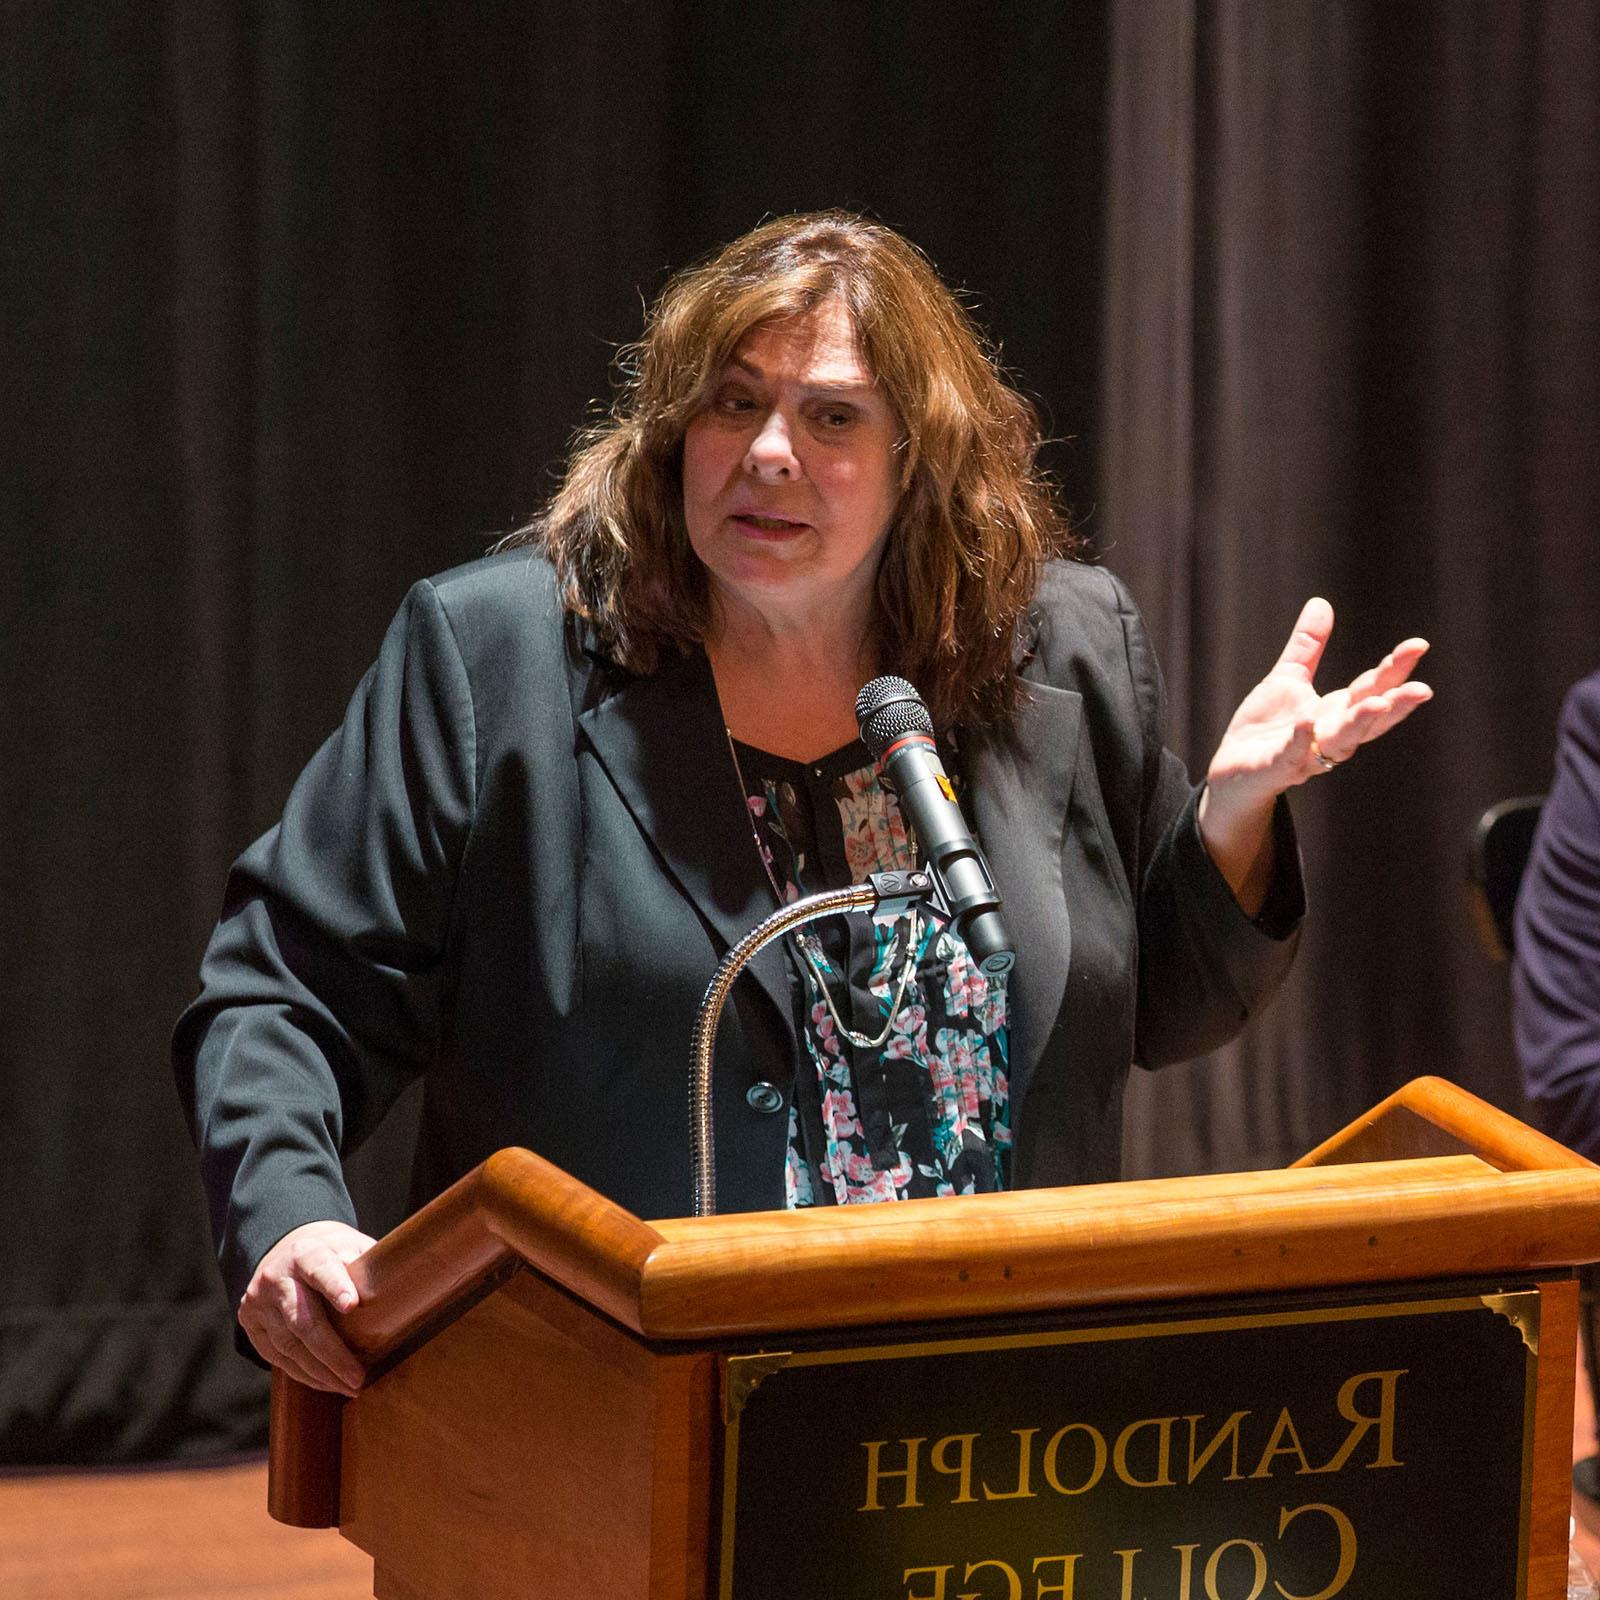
(975, 519)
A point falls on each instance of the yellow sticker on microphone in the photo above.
(946, 790)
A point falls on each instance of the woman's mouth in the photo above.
(767, 527)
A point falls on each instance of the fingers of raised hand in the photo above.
(1307, 641)
(1360, 720)
(1384, 711)
(1392, 671)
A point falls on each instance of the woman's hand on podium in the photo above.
(284, 1312)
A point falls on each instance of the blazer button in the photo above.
(763, 1097)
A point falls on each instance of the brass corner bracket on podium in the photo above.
(1350, 1377)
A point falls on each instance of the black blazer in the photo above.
(513, 868)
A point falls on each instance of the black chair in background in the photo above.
(1496, 855)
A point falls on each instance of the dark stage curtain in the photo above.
(1353, 348)
(301, 303)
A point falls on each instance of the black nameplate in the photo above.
(1374, 1452)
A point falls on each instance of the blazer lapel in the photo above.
(662, 743)
(1021, 788)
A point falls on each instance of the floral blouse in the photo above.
(925, 1112)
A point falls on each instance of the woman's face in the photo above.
(789, 473)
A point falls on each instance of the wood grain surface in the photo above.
(533, 1448)
(1550, 1511)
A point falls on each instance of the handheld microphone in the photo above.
(896, 728)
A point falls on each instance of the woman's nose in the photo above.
(771, 453)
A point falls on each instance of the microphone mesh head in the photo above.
(887, 709)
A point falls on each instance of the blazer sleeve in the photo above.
(1556, 969)
(325, 982)
(1205, 967)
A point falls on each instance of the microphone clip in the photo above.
(897, 892)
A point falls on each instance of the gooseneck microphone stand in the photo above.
(886, 894)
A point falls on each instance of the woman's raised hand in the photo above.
(1284, 732)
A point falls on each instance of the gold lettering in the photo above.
(1062, 1590)
(937, 1592)
(963, 1467)
(1024, 1488)
(1186, 1568)
(1128, 1557)
(1347, 1550)
(1013, 1582)
(1228, 1430)
(1119, 1454)
(1050, 1450)
(1258, 1558)
(876, 1473)
(1364, 1424)
(1283, 1428)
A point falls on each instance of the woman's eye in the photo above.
(735, 404)
(836, 417)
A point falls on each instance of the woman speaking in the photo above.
(583, 767)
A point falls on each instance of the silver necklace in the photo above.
(805, 941)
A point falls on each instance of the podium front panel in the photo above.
(1376, 1447)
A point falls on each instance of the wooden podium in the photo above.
(555, 1383)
